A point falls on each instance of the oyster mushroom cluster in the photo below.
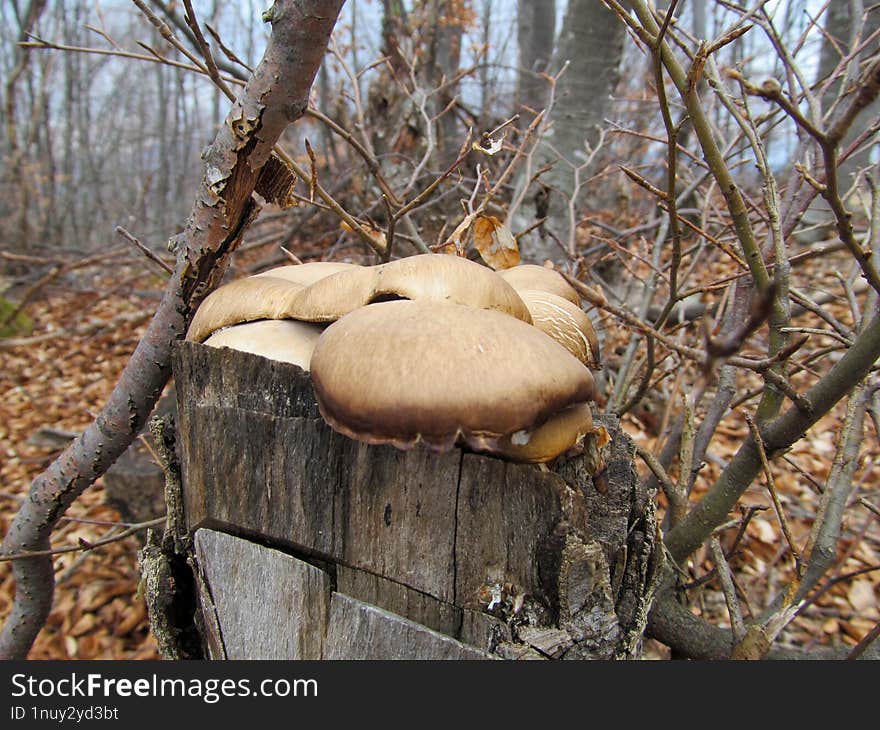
(431, 349)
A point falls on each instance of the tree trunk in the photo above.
(591, 43)
(536, 29)
(699, 23)
(311, 545)
(16, 175)
(845, 27)
(444, 58)
(849, 25)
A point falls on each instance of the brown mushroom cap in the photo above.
(531, 276)
(559, 434)
(309, 273)
(404, 372)
(566, 323)
(276, 339)
(243, 300)
(334, 296)
(454, 279)
(434, 277)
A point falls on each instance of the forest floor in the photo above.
(58, 378)
(58, 375)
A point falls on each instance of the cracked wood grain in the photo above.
(467, 545)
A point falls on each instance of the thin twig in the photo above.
(865, 642)
(670, 488)
(143, 249)
(774, 495)
(84, 545)
(870, 507)
(727, 587)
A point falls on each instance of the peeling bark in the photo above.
(276, 95)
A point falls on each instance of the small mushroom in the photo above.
(309, 273)
(561, 433)
(405, 372)
(531, 276)
(434, 277)
(328, 299)
(453, 279)
(276, 339)
(566, 323)
(243, 300)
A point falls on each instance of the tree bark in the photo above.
(536, 30)
(454, 555)
(276, 95)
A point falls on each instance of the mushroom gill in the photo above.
(276, 339)
(531, 276)
(561, 433)
(566, 323)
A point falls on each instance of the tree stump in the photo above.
(310, 545)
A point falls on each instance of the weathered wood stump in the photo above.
(311, 545)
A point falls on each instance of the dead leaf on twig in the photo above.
(495, 242)
(376, 235)
(488, 145)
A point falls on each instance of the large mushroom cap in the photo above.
(404, 372)
(434, 277)
(531, 276)
(243, 300)
(566, 323)
(276, 339)
(309, 273)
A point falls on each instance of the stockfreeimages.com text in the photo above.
(209, 690)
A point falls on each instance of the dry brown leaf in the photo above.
(85, 624)
(861, 597)
(449, 248)
(376, 235)
(603, 438)
(856, 628)
(495, 242)
(87, 647)
(136, 614)
(762, 530)
(102, 593)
